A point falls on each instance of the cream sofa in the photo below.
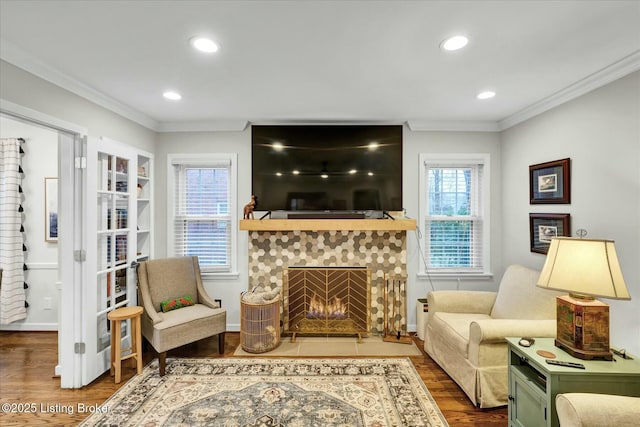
(466, 330)
(597, 410)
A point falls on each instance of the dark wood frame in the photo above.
(561, 221)
(562, 192)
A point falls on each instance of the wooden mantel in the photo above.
(327, 224)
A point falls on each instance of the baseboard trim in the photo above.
(30, 327)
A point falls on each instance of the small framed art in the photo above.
(544, 227)
(550, 182)
(51, 210)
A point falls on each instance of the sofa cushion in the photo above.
(454, 327)
(519, 297)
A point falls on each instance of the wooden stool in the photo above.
(117, 316)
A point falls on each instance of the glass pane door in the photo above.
(112, 281)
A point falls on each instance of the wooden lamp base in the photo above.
(583, 327)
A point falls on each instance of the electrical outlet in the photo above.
(47, 303)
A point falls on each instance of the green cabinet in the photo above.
(534, 384)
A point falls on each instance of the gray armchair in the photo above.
(164, 279)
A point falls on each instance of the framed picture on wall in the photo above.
(550, 182)
(51, 210)
(544, 227)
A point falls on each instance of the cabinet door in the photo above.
(527, 406)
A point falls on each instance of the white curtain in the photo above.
(12, 293)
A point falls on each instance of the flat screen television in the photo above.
(327, 168)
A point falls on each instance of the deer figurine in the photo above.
(249, 207)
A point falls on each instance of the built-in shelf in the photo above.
(327, 224)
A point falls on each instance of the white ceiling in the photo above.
(324, 61)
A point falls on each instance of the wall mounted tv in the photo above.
(335, 168)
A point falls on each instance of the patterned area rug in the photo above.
(257, 392)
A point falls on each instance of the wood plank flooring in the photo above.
(27, 361)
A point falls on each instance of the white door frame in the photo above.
(70, 273)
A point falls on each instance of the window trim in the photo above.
(455, 159)
(205, 160)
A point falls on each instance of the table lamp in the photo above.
(586, 268)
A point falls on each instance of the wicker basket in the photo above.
(259, 326)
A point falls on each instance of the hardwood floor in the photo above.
(27, 361)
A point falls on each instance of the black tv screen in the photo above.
(327, 168)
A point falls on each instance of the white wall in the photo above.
(448, 142)
(227, 289)
(600, 132)
(27, 90)
(414, 143)
(40, 161)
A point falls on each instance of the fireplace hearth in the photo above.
(320, 300)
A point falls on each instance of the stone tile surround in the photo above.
(383, 252)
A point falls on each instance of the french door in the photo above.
(111, 248)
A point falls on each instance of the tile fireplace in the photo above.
(376, 245)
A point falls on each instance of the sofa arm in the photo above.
(460, 302)
(487, 344)
(597, 410)
(496, 330)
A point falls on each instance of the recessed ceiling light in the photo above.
(278, 173)
(370, 173)
(171, 95)
(373, 145)
(454, 43)
(277, 146)
(296, 172)
(324, 176)
(204, 44)
(486, 94)
(353, 172)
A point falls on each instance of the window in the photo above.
(454, 213)
(203, 221)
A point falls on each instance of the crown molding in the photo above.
(21, 59)
(453, 125)
(203, 126)
(615, 71)
(16, 56)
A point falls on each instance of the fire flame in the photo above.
(334, 309)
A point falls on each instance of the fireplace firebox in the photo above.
(326, 301)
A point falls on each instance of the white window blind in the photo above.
(455, 238)
(202, 213)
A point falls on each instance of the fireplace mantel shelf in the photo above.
(327, 224)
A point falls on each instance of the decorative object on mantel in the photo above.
(550, 182)
(544, 227)
(395, 310)
(585, 268)
(249, 207)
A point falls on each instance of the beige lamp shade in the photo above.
(583, 266)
